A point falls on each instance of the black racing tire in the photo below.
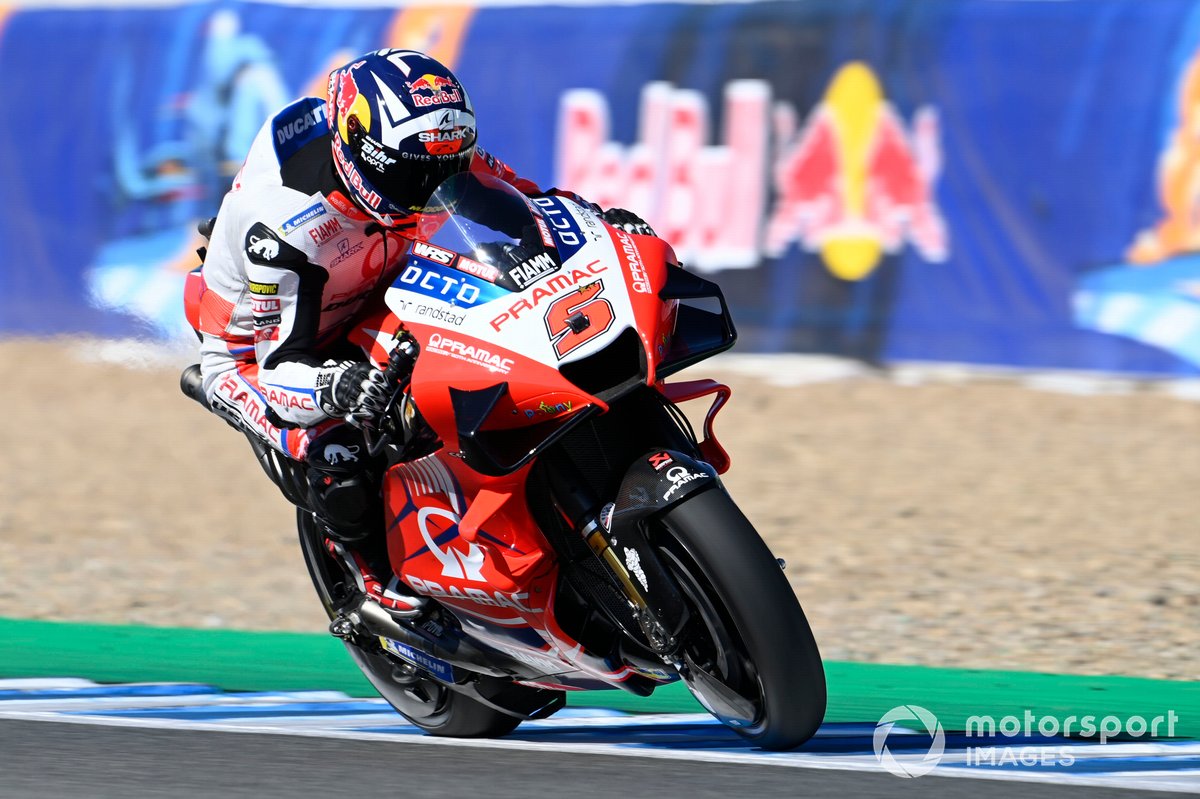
(435, 708)
(424, 701)
(746, 621)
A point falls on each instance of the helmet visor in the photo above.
(406, 180)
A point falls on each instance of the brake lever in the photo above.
(376, 445)
(399, 371)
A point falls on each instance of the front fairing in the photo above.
(514, 348)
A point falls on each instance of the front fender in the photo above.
(656, 481)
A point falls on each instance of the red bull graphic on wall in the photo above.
(708, 204)
(851, 184)
(965, 181)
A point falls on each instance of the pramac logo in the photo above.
(456, 564)
(851, 183)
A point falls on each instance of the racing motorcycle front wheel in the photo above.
(414, 694)
(748, 654)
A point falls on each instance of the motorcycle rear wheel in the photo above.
(429, 704)
(748, 630)
(418, 697)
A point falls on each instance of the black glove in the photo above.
(351, 390)
(627, 221)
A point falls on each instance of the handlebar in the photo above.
(397, 371)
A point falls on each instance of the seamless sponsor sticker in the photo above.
(438, 282)
(566, 233)
(307, 215)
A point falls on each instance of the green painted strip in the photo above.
(254, 661)
(231, 659)
(867, 691)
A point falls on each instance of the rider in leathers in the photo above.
(315, 222)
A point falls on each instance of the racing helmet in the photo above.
(401, 124)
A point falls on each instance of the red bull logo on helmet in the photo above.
(349, 101)
(851, 184)
(441, 90)
(355, 179)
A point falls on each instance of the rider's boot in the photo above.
(343, 485)
(344, 494)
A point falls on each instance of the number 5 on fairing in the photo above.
(577, 318)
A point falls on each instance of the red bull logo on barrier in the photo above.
(852, 183)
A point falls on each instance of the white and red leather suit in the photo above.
(290, 263)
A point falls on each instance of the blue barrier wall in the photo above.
(962, 180)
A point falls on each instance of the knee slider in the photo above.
(343, 484)
(349, 503)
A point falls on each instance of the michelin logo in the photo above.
(307, 215)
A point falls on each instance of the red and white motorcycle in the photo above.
(553, 522)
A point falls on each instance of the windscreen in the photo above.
(487, 220)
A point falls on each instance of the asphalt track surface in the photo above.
(47, 759)
(75, 737)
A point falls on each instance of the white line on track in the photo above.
(685, 737)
